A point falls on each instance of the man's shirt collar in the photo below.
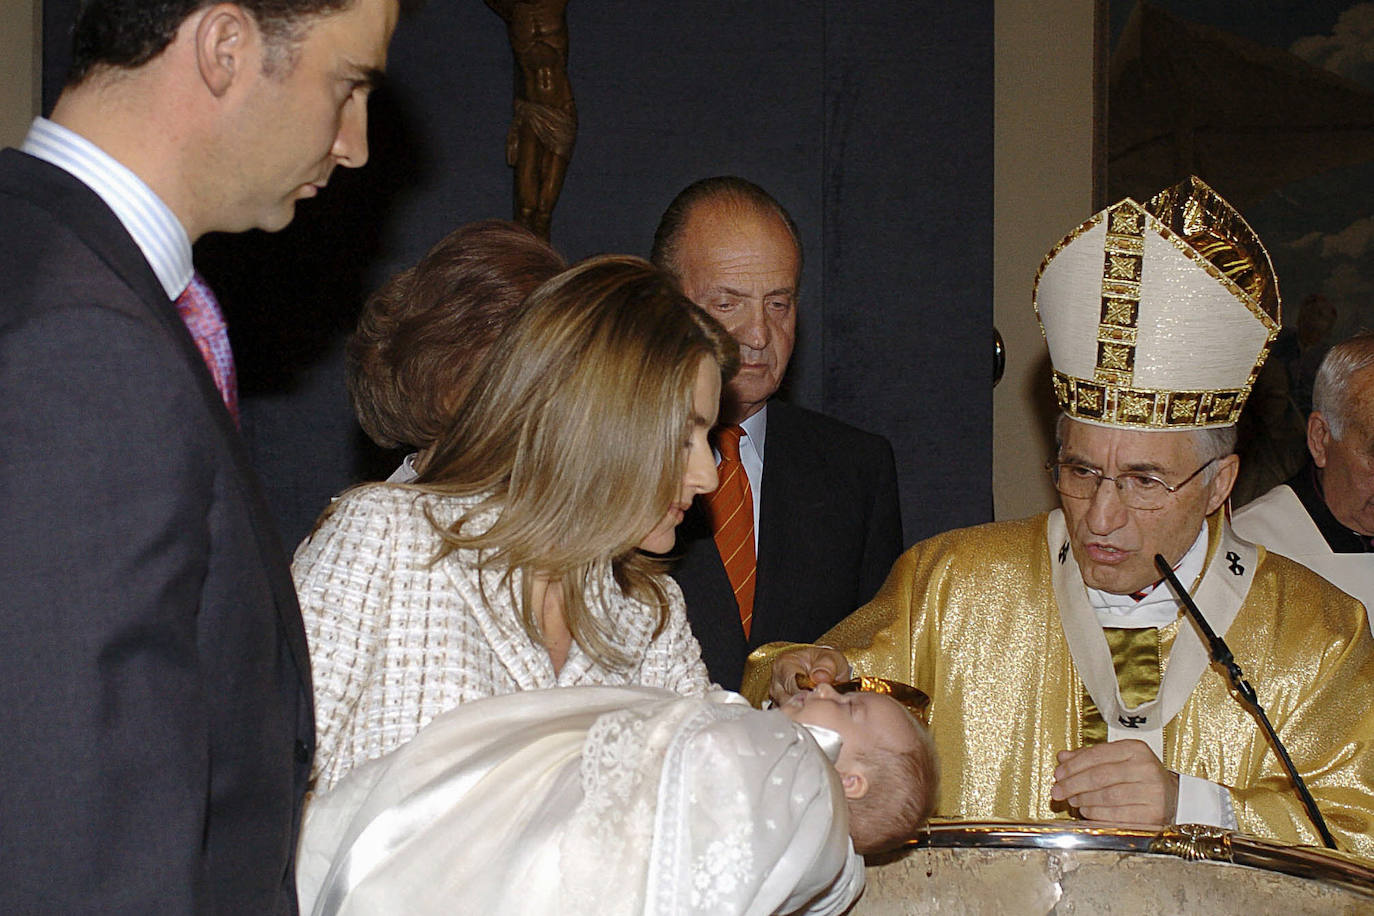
(1160, 606)
(756, 428)
(151, 223)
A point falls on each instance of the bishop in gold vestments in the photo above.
(1064, 680)
(971, 617)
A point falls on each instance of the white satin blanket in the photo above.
(588, 800)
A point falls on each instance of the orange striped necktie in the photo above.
(730, 510)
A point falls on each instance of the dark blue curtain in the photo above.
(871, 122)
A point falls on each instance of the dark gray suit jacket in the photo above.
(831, 529)
(155, 701)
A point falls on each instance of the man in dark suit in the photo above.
(155, 702)
(787, 546)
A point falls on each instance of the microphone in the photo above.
(1221, 654)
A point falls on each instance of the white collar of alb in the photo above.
(1160, 606)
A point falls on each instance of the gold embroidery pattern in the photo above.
(1182, 409)
(1225, 404)
(1118, 312)
(1126, 222)
(1122, 261)
(1091, 398)
(1136, 408)
(1146, 408)
(1122, 267)
(1113, 357)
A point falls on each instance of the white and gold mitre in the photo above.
(1158, 317)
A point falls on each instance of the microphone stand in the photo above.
(1221, 654)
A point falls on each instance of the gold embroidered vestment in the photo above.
(970, 617)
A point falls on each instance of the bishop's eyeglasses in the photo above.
(1136, 489)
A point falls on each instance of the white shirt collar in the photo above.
(151, 223)
(756, 428)
(1159, 607)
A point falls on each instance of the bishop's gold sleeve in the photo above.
(880, 639)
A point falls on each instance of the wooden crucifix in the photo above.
(539, 143)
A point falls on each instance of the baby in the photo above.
(622, 800)
(886, 763)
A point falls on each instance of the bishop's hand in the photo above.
(822, 664)
(1120, 781)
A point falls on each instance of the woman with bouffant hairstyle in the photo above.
(422, 335)
(518, 558)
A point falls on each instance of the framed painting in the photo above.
(1272, 104)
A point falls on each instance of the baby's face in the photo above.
(864, 720)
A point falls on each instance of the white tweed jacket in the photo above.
(396, 639)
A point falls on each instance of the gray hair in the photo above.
(1332, 390)
(1208, 444)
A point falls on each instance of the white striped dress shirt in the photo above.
(155, 229)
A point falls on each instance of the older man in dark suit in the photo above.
(155, 703)
(789, 545)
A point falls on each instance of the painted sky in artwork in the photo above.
(1319, 230)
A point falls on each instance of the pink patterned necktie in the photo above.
(200, 310)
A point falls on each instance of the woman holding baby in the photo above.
(515, 561)
(521, 559)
